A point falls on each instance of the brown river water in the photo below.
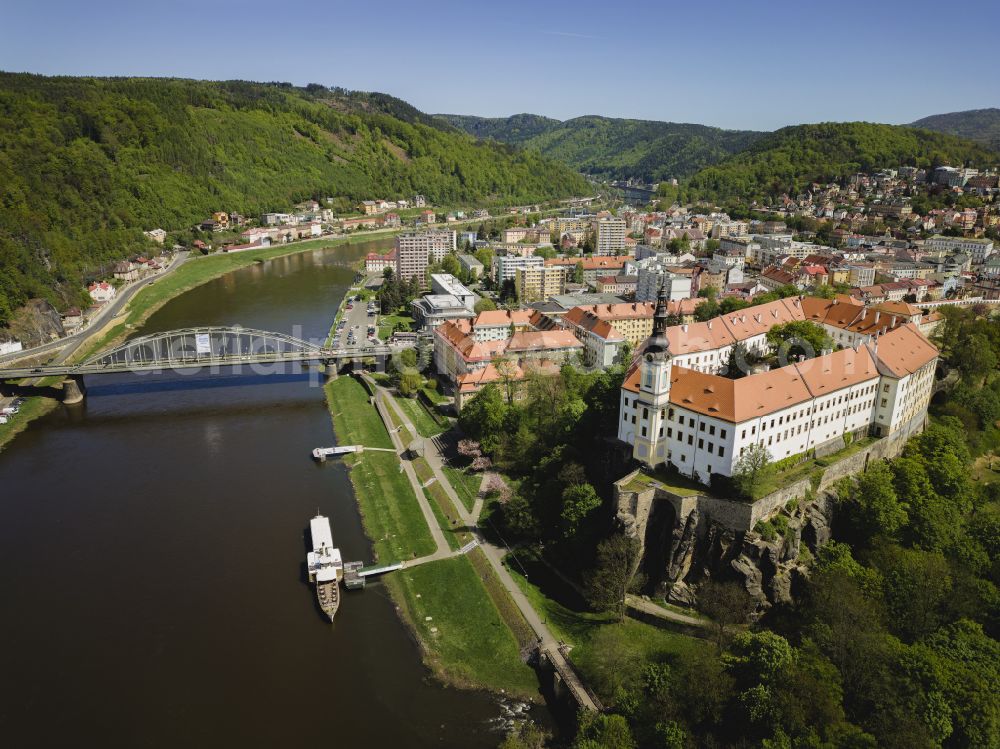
(151, 559)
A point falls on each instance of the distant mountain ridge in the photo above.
(979, 125)
(612, 147)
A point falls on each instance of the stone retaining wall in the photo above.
(634, 506)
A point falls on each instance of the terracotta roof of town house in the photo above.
(458, 333)
(757, 320)
(495, 317)
(827, 374)
(584, 318)
(698, 336)
(737, 400)
(903, 350)
(592, 263)
(542, 340)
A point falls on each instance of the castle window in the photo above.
(722, 451)
(644, 431)
(690, 439)
(722, 433)
(701, 427)
(711, 429)
(701, 444)
(645, 413)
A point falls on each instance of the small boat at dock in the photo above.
(322, 453)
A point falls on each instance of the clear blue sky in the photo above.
(758, 65)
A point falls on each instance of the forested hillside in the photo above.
(514, 129)
(615, 148)
(980, 125)
(87, 164)
(790, 159)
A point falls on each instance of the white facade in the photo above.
(415, 251)
(505, 267)
(610, 236)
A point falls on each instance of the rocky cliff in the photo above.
(35, 323)
(682, 551)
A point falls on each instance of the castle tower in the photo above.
(654, 390)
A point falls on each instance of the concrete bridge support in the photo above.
(73, 390)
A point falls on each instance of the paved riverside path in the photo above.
(443, 550)
(547, 643)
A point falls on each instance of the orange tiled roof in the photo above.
(903, 350)
(494, 317)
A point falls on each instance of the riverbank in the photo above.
(193, 273)
(31, 409)
(448, 604)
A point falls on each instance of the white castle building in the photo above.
(701, 422)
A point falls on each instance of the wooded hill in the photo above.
(980, 125)
(614, 148)
(87, 164)
(789, 159)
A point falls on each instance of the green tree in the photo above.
(727, 604)
(613, 575)
(799, 337)
(751, 468)
(578, 502)
(975, 357)
(483, 417)
(484, 305)
(578, 272)
(872, 505)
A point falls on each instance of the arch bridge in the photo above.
(201, 348)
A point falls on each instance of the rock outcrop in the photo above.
(35, 323)
(766, 562)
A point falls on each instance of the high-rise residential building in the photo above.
(415, 251)
(505, 266)
(539, 283)
(610, 236)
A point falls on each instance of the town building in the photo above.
(376, 263)
(701, 423)
(472, 266)
(610, 236)
(540, 282)
(416, 250)
(978, 249)
(101, 292)
(505, 267)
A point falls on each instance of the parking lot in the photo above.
(356, 325)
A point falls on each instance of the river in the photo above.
(151, 559)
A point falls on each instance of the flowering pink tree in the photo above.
(482, 463)
(469, 448)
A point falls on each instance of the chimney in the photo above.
(878, 314)
(893, 323)
(709, 324)
(684, 328)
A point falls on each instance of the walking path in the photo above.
(547, 643)
(648, 607)
(437, 534)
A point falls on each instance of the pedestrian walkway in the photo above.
(548, 645)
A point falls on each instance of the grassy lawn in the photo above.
(588, 632)
(466, 640)
(442, 505)
(387, 322)
(391, 514)
(466, 485)
(419, 417)
(31, 409)
(355, 421)
(434, 396)
(679, 485)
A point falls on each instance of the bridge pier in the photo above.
(380, 360)
(73, 390)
